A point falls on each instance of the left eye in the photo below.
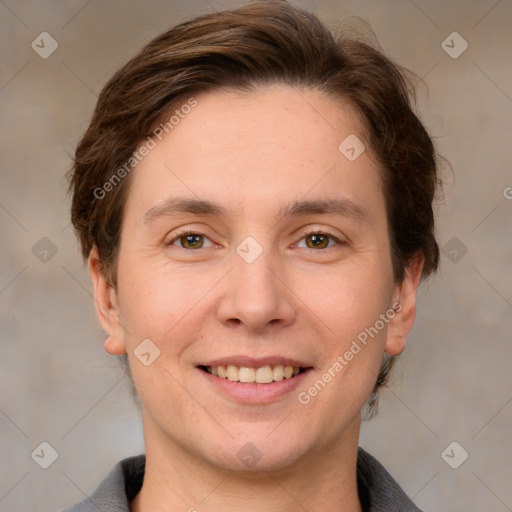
(319, 240)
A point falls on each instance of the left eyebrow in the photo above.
(340, 206)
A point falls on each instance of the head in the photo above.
(256, 122)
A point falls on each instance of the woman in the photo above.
(254, 199)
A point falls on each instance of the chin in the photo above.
(262, 452)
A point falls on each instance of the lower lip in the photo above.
(255, 393)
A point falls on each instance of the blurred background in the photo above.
(444, 427)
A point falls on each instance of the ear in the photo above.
(405, 296)
(107, 306)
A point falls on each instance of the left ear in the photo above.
(405, 294)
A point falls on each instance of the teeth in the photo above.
(279, 372)
(232, 372)
(262, 375)
(246, 374)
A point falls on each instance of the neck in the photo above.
(177, 479)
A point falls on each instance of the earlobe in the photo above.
(114, 346)
(395, 344)
(400, 326)
(107, 308)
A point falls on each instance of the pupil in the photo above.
(192, 239)
(317, 239)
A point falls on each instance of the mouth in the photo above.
(255, 380)
(266, 374)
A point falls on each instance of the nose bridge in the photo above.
(255, 294)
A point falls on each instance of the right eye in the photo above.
(189, 240)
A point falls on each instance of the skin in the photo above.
(254, 154)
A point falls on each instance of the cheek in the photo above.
(349, 300)
(161, 306)
(158, 300)
(350, 307)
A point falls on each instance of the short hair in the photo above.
(260, 43)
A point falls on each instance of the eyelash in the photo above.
(305, 235)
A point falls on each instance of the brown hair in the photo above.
(260, 43)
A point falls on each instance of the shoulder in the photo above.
(378, 491)
(118, 488)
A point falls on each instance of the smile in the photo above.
(261, 375)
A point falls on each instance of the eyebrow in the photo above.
(340, 206)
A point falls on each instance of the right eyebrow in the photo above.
(173, 205)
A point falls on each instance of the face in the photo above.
(251, 243)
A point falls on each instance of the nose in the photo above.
(257, 295)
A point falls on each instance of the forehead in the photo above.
(268, 146)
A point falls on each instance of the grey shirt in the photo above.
(378, 491)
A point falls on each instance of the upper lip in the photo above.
(255, 362)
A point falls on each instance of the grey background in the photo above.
(454, 381)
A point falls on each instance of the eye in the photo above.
(189, 240)
(314, 240)
(319, 240)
